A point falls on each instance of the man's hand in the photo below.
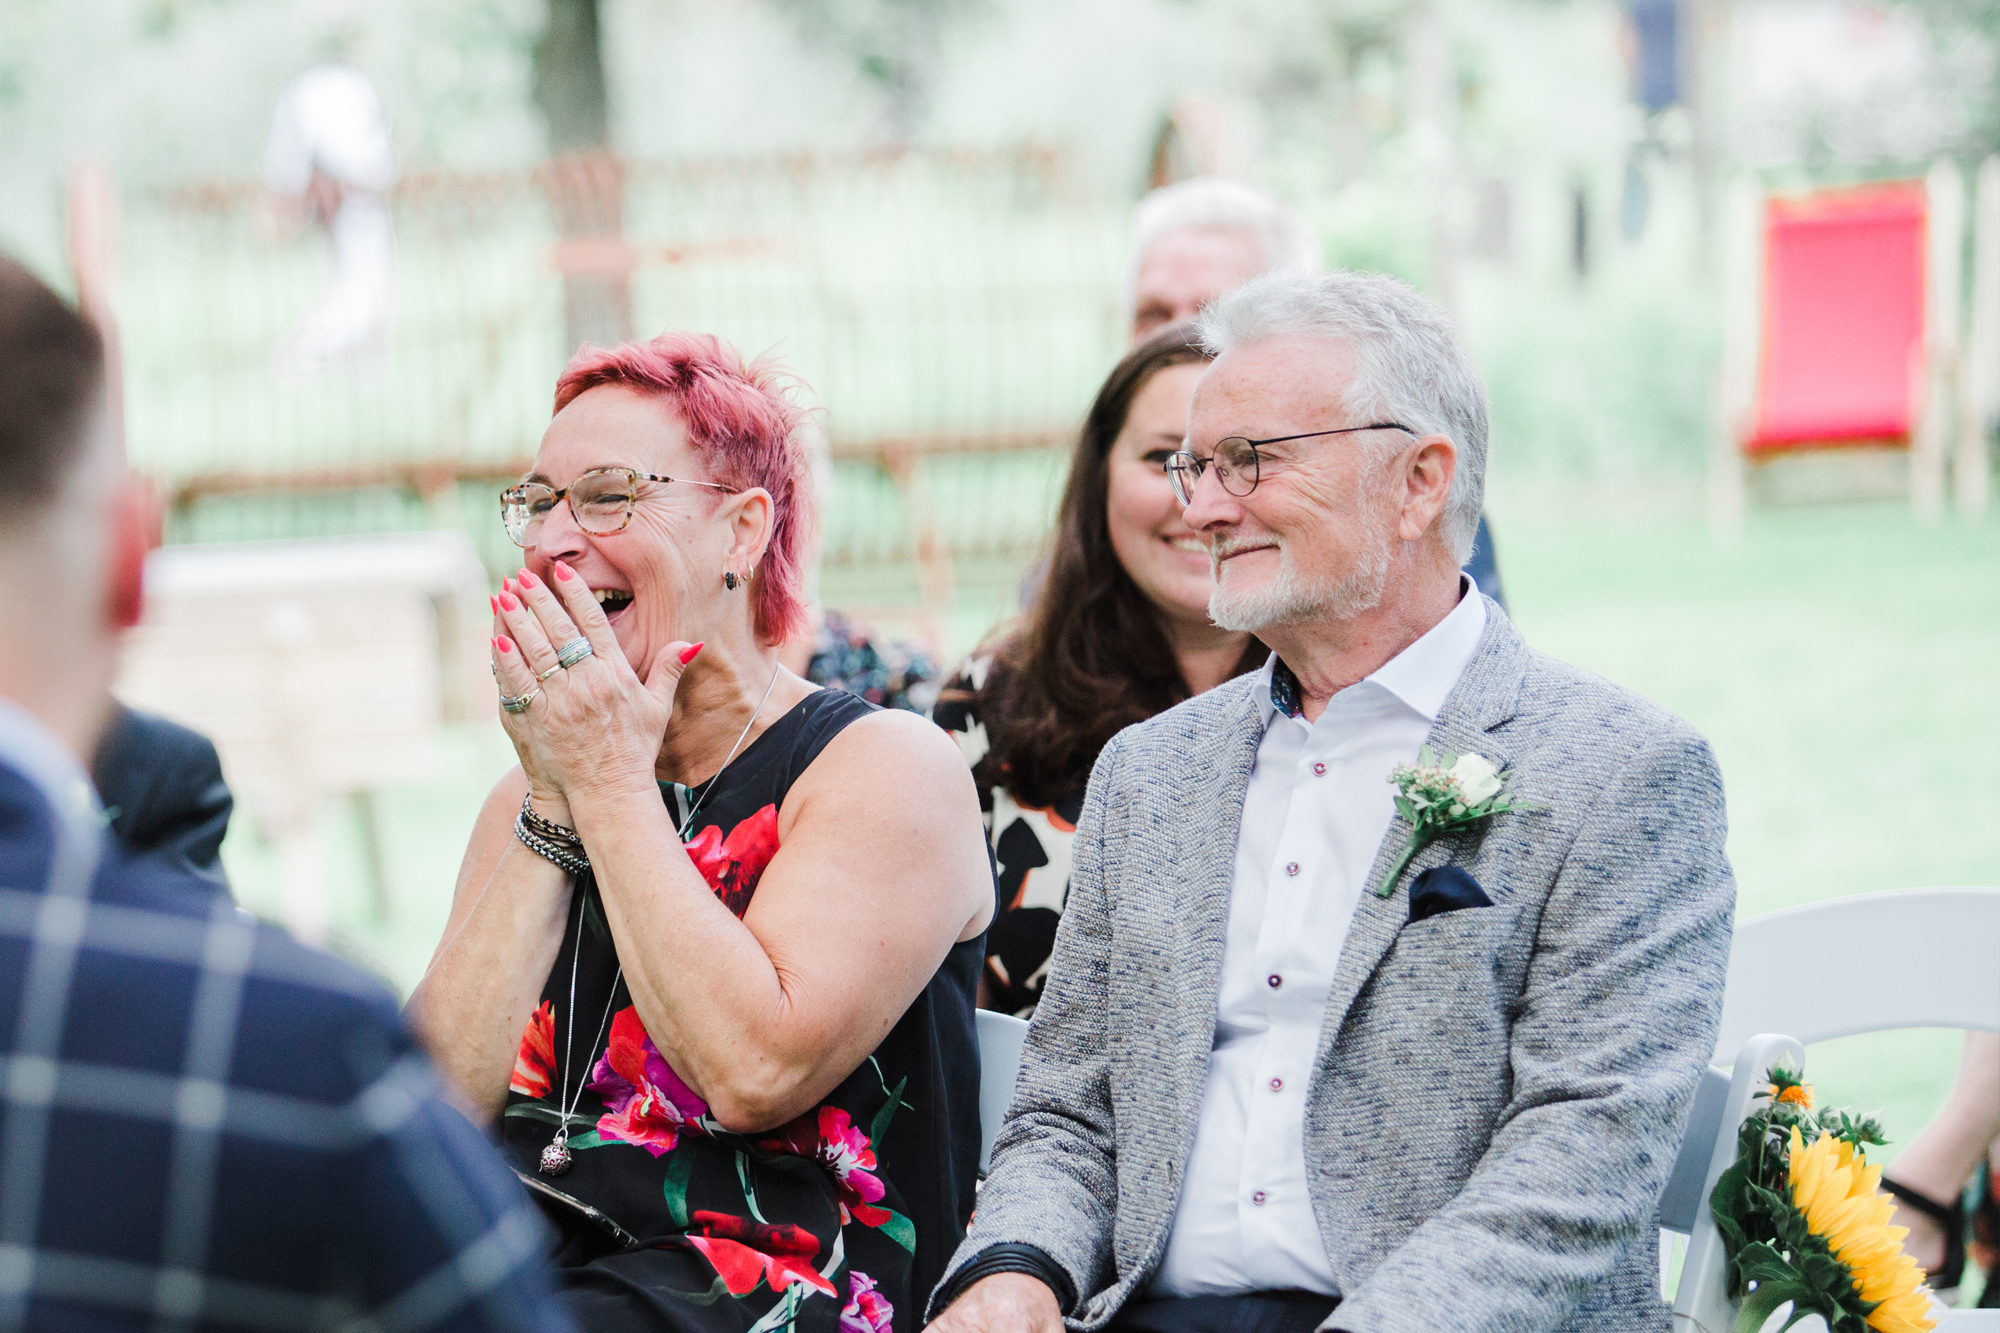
(1003, 1303)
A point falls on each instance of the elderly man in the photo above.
(1198, 239)
(204, 1124)
(1277, 1081)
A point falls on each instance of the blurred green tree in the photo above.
(897, 45)
(586, 182)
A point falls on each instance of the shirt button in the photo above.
(1291, 867)
(1258, 1198)
(1274, 981)
(1319, 770)
(1277, 1085)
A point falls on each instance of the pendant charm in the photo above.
(555, 1157)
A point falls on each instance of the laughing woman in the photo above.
(712, 955)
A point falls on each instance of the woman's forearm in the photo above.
(482, 986)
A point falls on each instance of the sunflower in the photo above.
(1833, 1185)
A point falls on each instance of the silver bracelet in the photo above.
(548, 828)
(574, 860)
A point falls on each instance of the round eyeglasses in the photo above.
(600, 500)
(1237, 464)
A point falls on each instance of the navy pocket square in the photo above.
(1444, 889)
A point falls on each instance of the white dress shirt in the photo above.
(1316, 810)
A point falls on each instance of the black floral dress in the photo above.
(1031, 855)
(839, 1222)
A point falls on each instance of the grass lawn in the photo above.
(1841, 659)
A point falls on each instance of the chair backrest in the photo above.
(1843, 316)
(1875, 962)
(1000, 1038)
(1832, 969)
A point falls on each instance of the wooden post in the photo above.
(1743, 244)
(934, 582)
(93, 258)
(1944, 233)
(1433, 103)
(1979, 369)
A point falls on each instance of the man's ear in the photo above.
(1427, 475)
(135, 531)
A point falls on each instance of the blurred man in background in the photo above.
(203, 1124)
(1197, 239)
(329, 160)
(163, 794)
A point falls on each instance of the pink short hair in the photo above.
(741, 418)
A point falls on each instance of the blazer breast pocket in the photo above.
(1463, 968)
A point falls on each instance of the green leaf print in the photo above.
(900, 1229)
(680, 1172)
(880, 1125)
(548, 1115)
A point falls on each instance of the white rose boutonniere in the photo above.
(1442, 793)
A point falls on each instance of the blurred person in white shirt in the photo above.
(329, 159)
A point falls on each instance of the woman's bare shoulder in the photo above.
(894, 743)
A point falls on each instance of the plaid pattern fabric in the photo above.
(206, 1125)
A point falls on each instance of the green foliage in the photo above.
(896, 45)
(1969, 29)
(1774, 1256)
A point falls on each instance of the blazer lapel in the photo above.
(1483, 699)
(1220, 755)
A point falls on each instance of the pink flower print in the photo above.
(644, 1099)
(866, 1310)
(839, 1145)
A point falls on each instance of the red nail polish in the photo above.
(529, 580)
(507, 602)
(506, 644)
(688, 653)
(564, 572)
(494, 602)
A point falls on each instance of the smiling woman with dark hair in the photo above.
(1117, 632)
(712, 953)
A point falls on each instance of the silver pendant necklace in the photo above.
(556, 1157)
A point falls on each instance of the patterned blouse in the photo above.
(1031, 853)
(839, 1222)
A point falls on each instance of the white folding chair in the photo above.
(1872, 963)
(320, 668)
(1000, 1038)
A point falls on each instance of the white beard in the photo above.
(1289, 599)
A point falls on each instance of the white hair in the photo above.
(1412, 367)
(1210, 203)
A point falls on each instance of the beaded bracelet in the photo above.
(571, 859)
(548, 828)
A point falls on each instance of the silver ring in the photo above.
(518, 703)
(544, 675)
(573, 652)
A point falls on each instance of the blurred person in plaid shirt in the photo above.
(202, 1124)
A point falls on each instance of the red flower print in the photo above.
(866, 1310)
(733, 865)
(535, 1063)
(833, 1139)
(644, 1099)
(744, 1251)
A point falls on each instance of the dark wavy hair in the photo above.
(1092, 656)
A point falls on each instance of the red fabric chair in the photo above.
(1843, 349)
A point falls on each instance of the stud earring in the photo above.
(729, 579)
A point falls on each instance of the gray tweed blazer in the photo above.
(1499, 1092)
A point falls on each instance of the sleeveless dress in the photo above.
(839, 1222)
